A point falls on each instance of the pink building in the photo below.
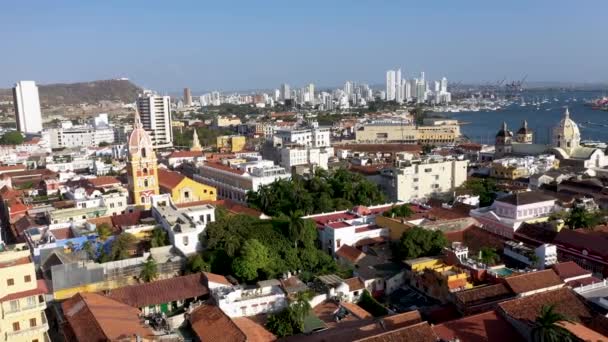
(508, 213)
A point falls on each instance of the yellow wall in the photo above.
(396, 228)
(426, 263)
(232, 143)
(197, 192)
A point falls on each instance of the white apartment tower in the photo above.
(155, 114)
(27, 107)
(285, 92)
(390, 85)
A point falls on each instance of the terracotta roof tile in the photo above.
(484, 327)
(169, 179)
(421, 332)
(592, 242)
(210, 323)
(483, 294)
(532, 281)
(130, 219)
(354, 284)
(103, 181)
(186, 154)
(253, 330)
(565, 301)
(216, 278)
(569, 269)
(583, 332)
(161, 291)
(350, 253)
(94, 317)
(356, 310)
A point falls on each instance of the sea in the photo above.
(482, 126)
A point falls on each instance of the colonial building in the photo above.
(565, 145)
(183, 189)
(142, 166)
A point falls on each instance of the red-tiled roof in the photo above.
(338, 225)
(592, 242)
(385, 148)
(484, 327)
(483, 294)
(254, 331)
(421, 332)
(349, 253)
(216, 278)
(356, 310)
(186, 154)
(161, 291)
(354, 284)
(62, 233)
(94, 317)
(210, 323)
(103, 181)
(169, 179)
(569, 269)
(11, 168)
(583, 282)
(532, 281)
(130, 219)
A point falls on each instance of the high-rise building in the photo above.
(444, 85)
(142, 166)
(390, 85)
(187, 97)
(27, 107)
(398, 79)
(348, 88)
(285, 92)
(155, 113)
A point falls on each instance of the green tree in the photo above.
(419, 242)
(196, 264)
(254, 257)
(89, 248)
(12, 138)
(581, 218)
(296, 227)
(547, 328)
(280, 323)
(121, 246)
(399, 211)
(103, 231)
(159, 237)
(488, 256)
(371, 305)
(484, 188)
(149, 270)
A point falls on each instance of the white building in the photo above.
(508, 213)
(183, 222)
(391, 86)
(285, 92)
(155, 113)
(354, 227)
(299, 155)
(540, 257)
(421, 179)
(240, 301)
(80, 136)
(27, 107)
(313, 137)
(233, 179)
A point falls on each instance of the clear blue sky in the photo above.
(167, 45)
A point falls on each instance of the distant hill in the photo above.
(83, 92)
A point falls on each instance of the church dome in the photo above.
(139, 139)
(504, 132)
(524, 129)
(566, 134)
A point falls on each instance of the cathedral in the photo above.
(565, 145)
(142, 167)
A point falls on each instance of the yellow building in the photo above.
(142, 167)
(231, 143)
(499, 170)
(184, 189)
(401, 133)
(435, 278)
(21, 297)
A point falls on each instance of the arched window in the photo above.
(145, 170)
(143, 199)
(146, 183)
(143, 152)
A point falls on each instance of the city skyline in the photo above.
(248, 46)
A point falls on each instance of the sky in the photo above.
(235, 45)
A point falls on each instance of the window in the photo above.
(428, 170)
(208, 217)
(143, 152)
(143, 199)
(16, 326)
(10, 282)
(32, 322)
(14, 305)
(146, 183)
(145, 171)
(31, 301)
(186, 194)
(185, 241)
(27, 278)
(338, 243)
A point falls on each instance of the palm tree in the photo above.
(149, 272)
(159, 237)
(488, 255)
(547, 327)
(296, 226)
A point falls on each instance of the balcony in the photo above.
(38, 306)
(42, 326)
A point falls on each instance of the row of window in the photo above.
(11, 281)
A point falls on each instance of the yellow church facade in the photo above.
(142, 167)
(183, 189)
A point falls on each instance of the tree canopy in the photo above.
(419, 242)
(254, 249)
(484, 188)
(547, 328)
(323, 192)
(399, 211)
(581, 218)
(11, 138)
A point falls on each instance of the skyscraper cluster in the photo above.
(402, 90)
